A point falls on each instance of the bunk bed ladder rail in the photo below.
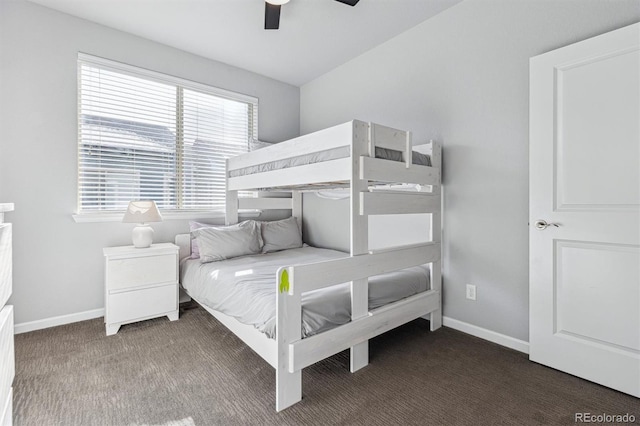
(435, 317)
(426, 199)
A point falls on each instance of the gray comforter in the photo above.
(245, 288)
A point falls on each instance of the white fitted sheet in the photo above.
(245, 289)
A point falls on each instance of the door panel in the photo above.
(604, 276)
(597, 132)
(585, 178)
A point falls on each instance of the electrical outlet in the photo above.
(471, 292)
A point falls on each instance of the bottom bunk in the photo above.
(243, 288)
(246, 294)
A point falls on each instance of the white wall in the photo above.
(58, 264)
(462, 78)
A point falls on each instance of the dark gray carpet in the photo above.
(194, 371)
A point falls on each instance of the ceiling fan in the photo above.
(272, 12)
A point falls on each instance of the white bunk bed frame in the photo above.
(289, 353)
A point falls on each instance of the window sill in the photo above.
(117, 216)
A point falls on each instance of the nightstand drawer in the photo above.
(129, 306)
(139, 271)
(7, 359)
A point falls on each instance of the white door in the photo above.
(585, 178)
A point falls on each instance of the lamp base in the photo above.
(142, 236)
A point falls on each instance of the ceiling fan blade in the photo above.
(271, 16)
(349, 2)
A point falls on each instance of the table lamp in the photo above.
(142, 212)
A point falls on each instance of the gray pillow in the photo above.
(221, 243)
(281, 235)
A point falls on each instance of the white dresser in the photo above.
(140, 283)
(7, 360)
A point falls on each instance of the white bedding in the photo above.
(245, 288)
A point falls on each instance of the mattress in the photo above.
(244, 288)
(327, 155)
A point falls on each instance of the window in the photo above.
(144, 135)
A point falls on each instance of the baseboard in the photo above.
(55, 321)
(474, 330)
(26, 327)
(483, 333)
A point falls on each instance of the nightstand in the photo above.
(140, 283)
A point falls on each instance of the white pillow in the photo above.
(281, 235)
(193, 225)
(221, 243)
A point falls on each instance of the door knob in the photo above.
(541, 225)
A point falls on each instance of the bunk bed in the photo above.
(344, 156)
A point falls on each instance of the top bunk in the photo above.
(334, 158)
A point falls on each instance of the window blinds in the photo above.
(144, 135)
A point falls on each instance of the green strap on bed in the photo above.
(284, 281)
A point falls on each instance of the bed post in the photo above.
(408, 151)
(296, 207)
(231, 201)
(359, 238)
(288, 330)
(435, 317)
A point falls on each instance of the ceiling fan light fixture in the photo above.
(272, 12)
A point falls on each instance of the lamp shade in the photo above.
(142, 211)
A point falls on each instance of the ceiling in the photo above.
(315, 36)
